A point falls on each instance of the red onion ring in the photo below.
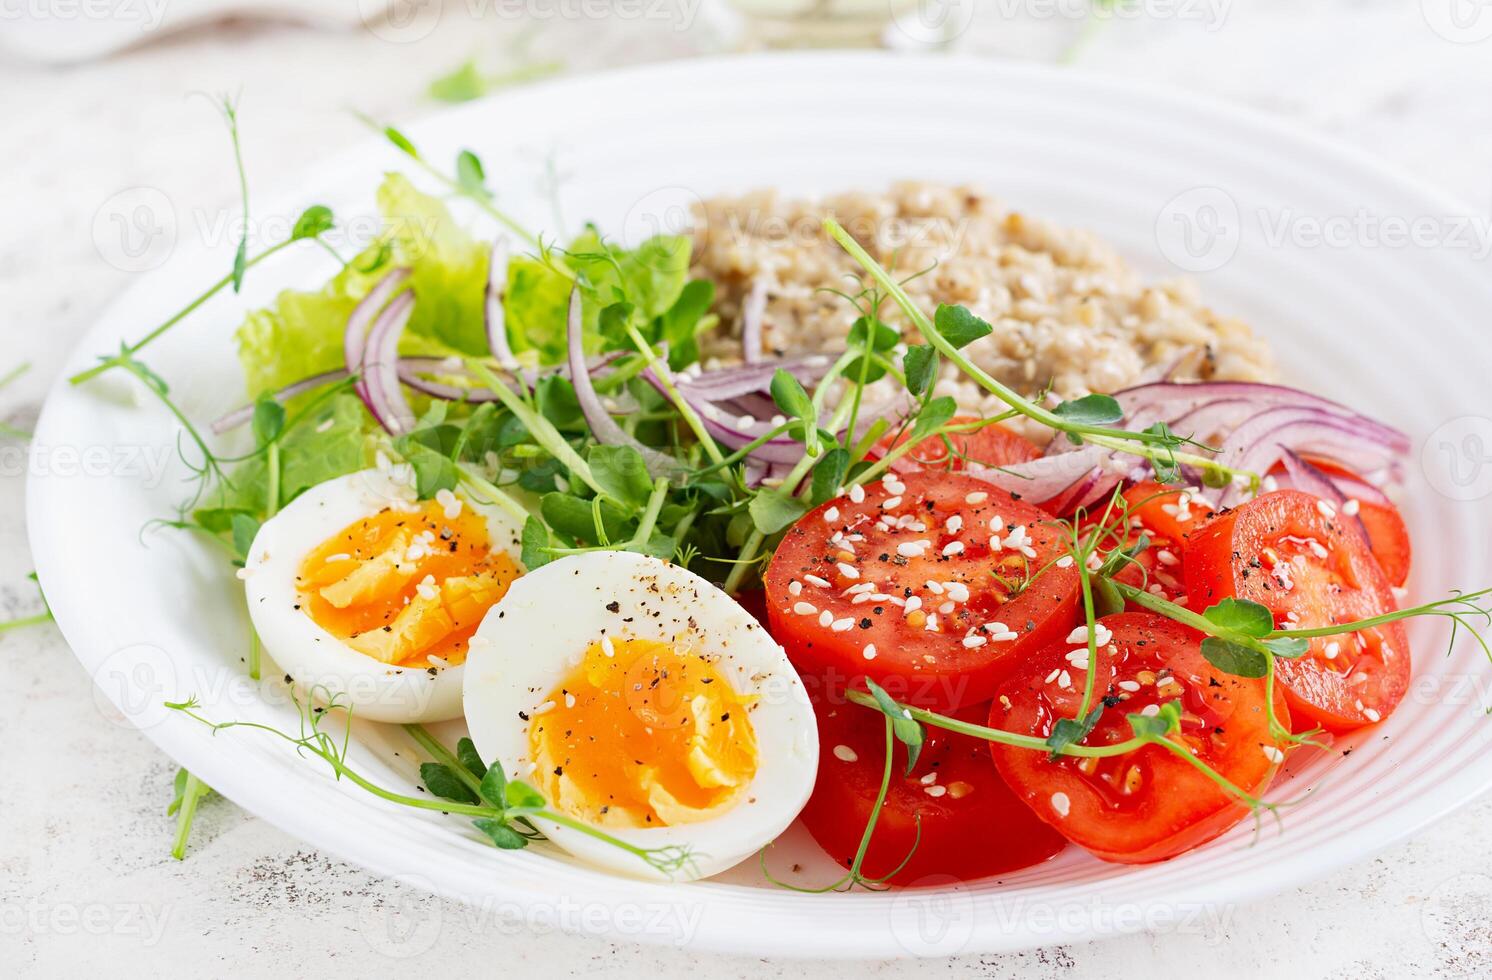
(241, 416)
(380, 374)
(603, 426)
(355, 337)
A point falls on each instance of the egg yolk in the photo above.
(406, 587)
(642, 734)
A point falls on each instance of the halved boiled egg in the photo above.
(643, 701)
(363, 593)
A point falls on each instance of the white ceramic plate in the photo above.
(1399, 331)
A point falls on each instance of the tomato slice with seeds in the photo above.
(1166, 516)
(1289, 551)
(934, 585)
(972, 824)
(991, 446)
(1146, 805)
(1388, 535)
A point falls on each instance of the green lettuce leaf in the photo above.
(301, 333)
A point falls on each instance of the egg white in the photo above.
(321, 666)
(538, 634)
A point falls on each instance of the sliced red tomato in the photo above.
(1388, 535)
(991, 446)
(935, 585)
(1291, 552)
(971, 824)
(1149, 804)
(1166, 516)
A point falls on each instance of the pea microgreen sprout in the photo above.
(187, 792)
(496, 803)
(45, 616)
(855, 876)
(1087, 419)
(470, 180)
(11, 431)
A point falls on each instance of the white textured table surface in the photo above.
(85, 880)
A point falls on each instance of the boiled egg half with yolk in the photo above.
(367, 597)
(641, 700)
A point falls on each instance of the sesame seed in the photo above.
(869, 653)
(848, 571)
(929, 779)
(974, 641)
(1064, 679)
(893, 485)
(953, 548)
(1371, 714)
(1129, 686)
(544, 708)
(911, 549)
(857, 494)
(826, 618)
(1150, 710)
(1056, 671)
(1061, 804)
(958, 591)
(954, 524)
(891, 503)
(860, 588)
(822, 583)
(607, 647)
(1273, 754)
(1351, 506)
(843, 625)
(569, 700)
(1167, 558)
(947, 608)
(795, 587)
(1325, 509)
(805, 608)
(831, 515)
(1332, 649)
(935, 791)
(1065, 561)
(845, 754)
(913, 604)
(977, 497)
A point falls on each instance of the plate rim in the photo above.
(190, 747)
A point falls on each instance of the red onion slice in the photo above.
(241, 416)
(716, 386)
(1302, 474)
(385, 398)
(355, 337)
(753, 311)
(603, 426)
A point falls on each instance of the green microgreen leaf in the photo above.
(1234, 658)
(314, 221)
(1071, 731)
(1289, 647)
(921, 366)
(500, 834)
(773, 510)
(1167, 468)
(868, 332)
(934, 414)
(906, 729)
(269, 420)
(1158, 725)
(466, 751)
(494, 785)
(959, 326)
(470, 175)
(245, 530)
(793, 400)
(1241, 616)
(535, 544)
(622, 474)
(441, 781)
(1090, 410)
(1106, 598)
(828, 476)
(519, 795)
